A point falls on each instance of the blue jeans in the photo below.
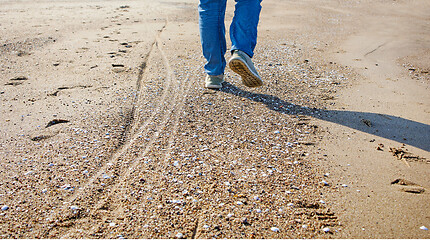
(243, 31)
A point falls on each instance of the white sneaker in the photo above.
(214, 82)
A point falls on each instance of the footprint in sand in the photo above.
(48, 133)
(408, 186)
(16, 81)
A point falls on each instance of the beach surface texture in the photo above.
(107, 130)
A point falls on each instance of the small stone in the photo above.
(422, 227)
(74, 207)
(239, 203)
(4, 208)
(112, 224)
(326, 229)
(256, 198)
(205, 226)
(274, 229)
(179, 235)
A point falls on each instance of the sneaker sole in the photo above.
(214, 86)
(248, 78)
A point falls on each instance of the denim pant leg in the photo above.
(243, 29)
(212, 34)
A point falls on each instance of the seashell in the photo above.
(74, 207)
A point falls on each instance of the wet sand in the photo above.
(108, 132)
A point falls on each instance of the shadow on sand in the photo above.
(390, 127)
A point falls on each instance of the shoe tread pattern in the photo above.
(248, 78)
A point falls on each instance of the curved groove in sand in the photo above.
(135, 131)
(171, 111)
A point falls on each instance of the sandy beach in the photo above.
(107, 130)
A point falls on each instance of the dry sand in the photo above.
(107, 131)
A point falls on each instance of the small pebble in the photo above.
(256, 198)
(275, 229)
(112, 224)
(290, 204)
(74, 207)
(205, 226)
(179, 235)
(258, 210)
(239, 203)
(326, 229)
(424, 228)
(4, 208)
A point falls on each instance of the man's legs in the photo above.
(212, 35)
(243, 30)
(243, 34)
